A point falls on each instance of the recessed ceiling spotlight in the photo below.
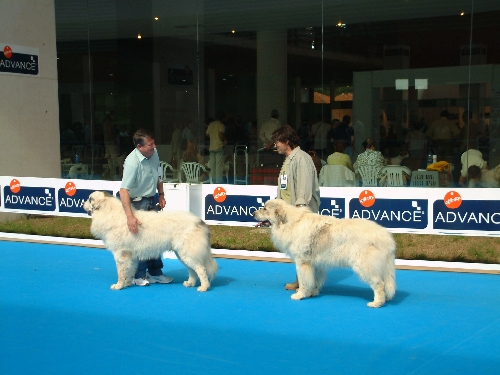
(462, 14)
(233, 31)
(139, 36)
(156, 18)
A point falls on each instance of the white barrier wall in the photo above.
(470, 212)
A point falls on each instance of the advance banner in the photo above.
(448, 211)
(400, 210)
(49, 196)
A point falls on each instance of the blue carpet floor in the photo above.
(58, 316)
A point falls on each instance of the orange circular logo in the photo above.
(219, 194)
(70, 188)
(366, 198)
(452, 199)
(15, 186)
(7, 52)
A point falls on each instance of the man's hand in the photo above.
(161, 201)
(132, 224)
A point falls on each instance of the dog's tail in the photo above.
(390, 273)
(212, 267)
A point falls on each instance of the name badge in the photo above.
(283, 181)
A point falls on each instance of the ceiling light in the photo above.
(462, 14)
(139, 36)
(156, 18)
(233, 31)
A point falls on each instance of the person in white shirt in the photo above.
(267, 129)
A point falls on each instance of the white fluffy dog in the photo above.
(316, 242)
(182, 232)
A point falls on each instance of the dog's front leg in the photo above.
(126, 267)
(307, 282)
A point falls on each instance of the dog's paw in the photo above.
(202, 288)
(315, 292)
(116, 286)
(374, 304)
(189, 284)
(297, 296)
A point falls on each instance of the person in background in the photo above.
(267, 129)
(319, 132)
(298, 181)
(176, 145)
(141, 180)
(471, 158)
(349, 138)
(111, 135)
(333, 136)
(469, 133)
(370, 157)
(442, 132)
(187, 134)
(215, 132)
(416, 146)
(339, 157)
(305, 136)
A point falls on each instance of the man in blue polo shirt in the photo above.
(141, 178)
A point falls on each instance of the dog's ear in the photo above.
(280, 215)
(94, 204)
(106, 194)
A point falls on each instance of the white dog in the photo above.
(182, 232)
(316, 242)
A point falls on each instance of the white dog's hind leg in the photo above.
(202, 274)
(193, 277)
(307, 282)
(379, 294)
(124, 267)
(191, 281)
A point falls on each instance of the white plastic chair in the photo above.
(425, 179)
(192, 171)
(369, 175)
(169, 173)
(336, 175)
(393, 175)
(79, 171)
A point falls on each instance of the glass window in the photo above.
(418, 78)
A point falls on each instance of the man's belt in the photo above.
(138, 199)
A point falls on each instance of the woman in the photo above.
(370, 157)
(339, 157)
(297, 182)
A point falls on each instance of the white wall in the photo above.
(29, 107)
(29, 110)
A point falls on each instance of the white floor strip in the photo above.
(254, 254)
